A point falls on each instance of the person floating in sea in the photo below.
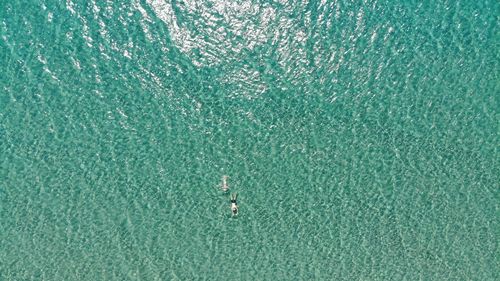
(234, 205)
(225, 186)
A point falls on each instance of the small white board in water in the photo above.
(225, 186)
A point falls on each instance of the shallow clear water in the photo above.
(361, 138)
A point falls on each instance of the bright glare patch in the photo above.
(214, 31)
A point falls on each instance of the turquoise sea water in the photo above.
(360, 136)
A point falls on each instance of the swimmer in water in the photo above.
(234, 205)
(225, 187)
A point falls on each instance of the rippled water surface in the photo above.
(360, 136)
